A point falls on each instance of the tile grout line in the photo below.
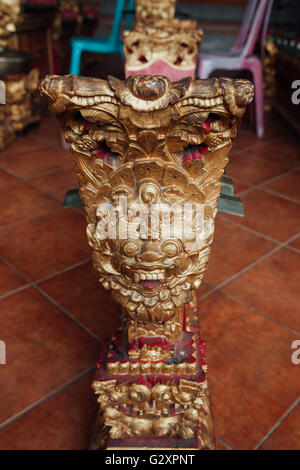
(31, 219)
(262, 258)
(46, 397)
(62, 271)
(276, 425)
(68, 314)
(248, 229)
(26, 278)
(258, 312)
(251, 265)
(15, 291)
(224, 217)
(242, 271)
(290, 240)
(283, 196)
(257, 144)
(223, 443)
(263, 183)
(30, 282)
(296, 250)
(236, 299)
(39, 175)
(50, 299)
(41, 143)
(249, 307)
(30, 183)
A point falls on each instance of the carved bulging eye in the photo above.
(130, 248)
(166, 396)
(170, 248)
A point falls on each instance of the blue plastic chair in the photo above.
(111, 45)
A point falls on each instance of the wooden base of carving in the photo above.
(165, 410)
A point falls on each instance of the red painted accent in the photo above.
(100, 153)
(138, 343)
(187, 158)
(203, 148)
(87, 125)
(149, 283)
(194, 152)
(69, 15)
(91, 13)
(206, 125)
(160, 67)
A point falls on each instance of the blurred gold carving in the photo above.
(7, 133)
(19, 91)
(67, 9)
(174, 41)
(269, 70)
(149, 12)
(9, 16)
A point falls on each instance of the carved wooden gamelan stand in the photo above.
(151, 144)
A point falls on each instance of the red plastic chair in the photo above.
(241, 56)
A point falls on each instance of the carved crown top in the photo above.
(145, 93)
(148, 12)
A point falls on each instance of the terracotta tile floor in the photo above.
(54, 313)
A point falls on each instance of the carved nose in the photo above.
(149, 257)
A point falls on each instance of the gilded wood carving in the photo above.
(9, 16)
(19, 91)
(149, 12)
(158, 147)
(171, 46)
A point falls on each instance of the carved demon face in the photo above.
(151, 238)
